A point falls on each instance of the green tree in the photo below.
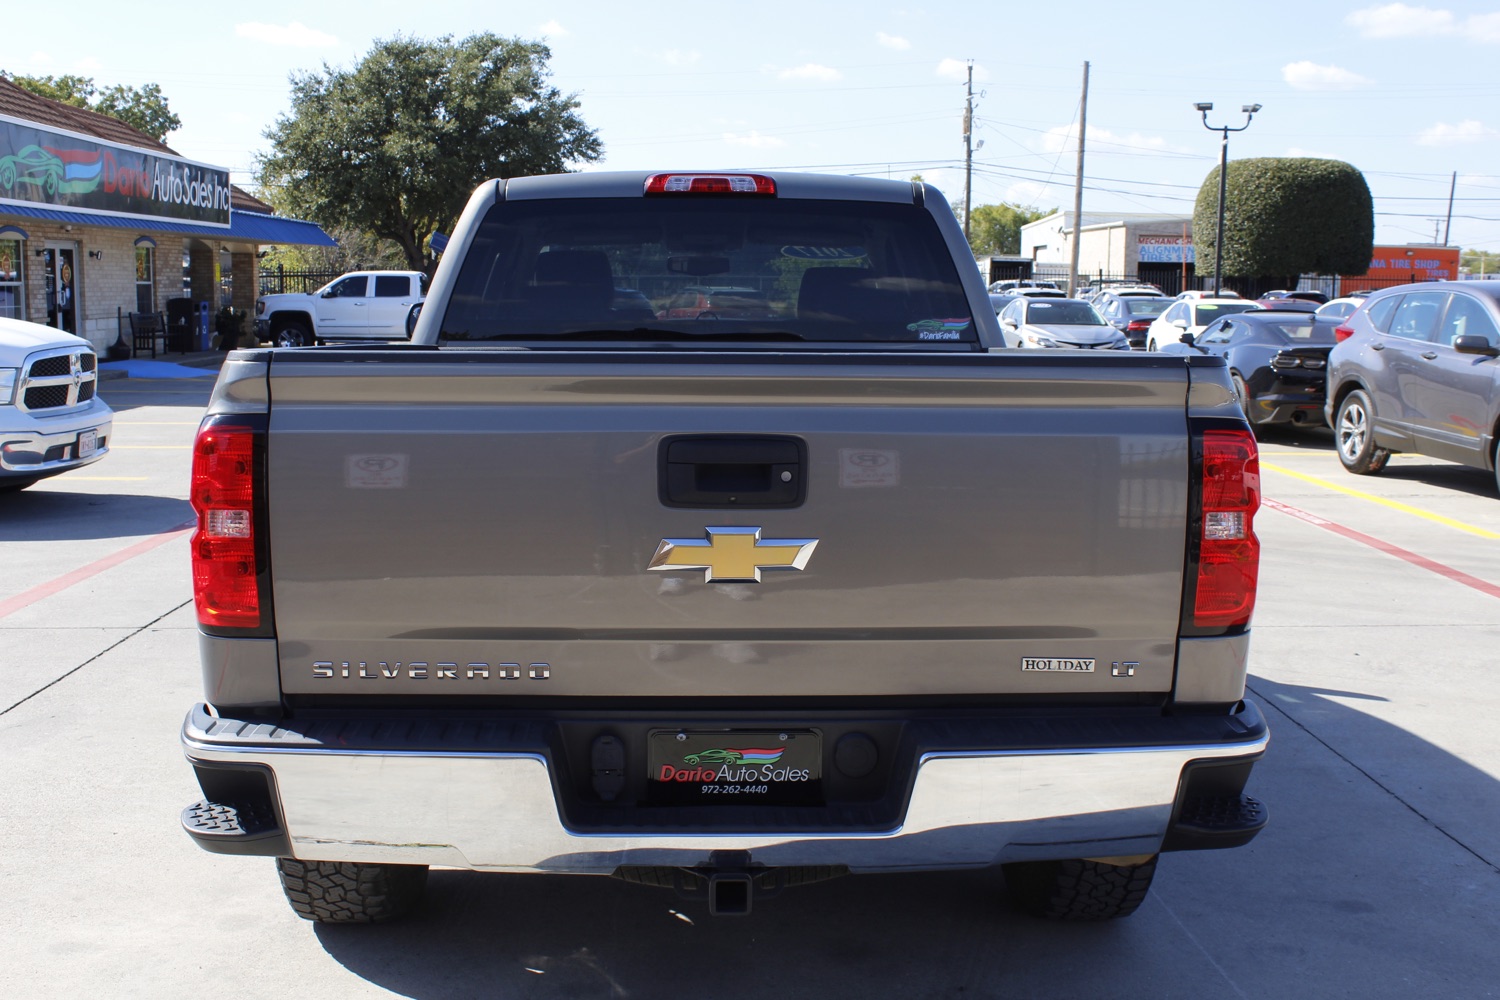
(395, 146)
(142, 108)
(1286, 216)
(1480, 261)
(997, 228)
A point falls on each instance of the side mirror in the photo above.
(1181, 324)
(1473, 343)
(1188, 338)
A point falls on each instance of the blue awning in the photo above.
(244, 227)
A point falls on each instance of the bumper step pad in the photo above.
(227, 828)
(1216, 821)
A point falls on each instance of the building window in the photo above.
(145, 273)
(12, 291)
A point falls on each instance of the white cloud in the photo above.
(552, 29)
(892, 41)
(1443, 134)
(958, 69)
(296, 34)
(1482, 27)
(1065, 137)
(810, 71)
(1397, 20)
(1311, 153)
(1307, 75)
(677, 57)
(754, 140)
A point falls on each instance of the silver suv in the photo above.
(1416, 370)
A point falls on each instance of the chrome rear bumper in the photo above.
(497, 811)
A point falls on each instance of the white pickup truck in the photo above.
(361, 305)
(51, 419)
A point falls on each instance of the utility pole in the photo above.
(1448, 227)
(968, 147)
(1083, 124)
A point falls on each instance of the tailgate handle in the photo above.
(729, 471)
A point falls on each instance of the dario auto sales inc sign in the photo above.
(46, 166)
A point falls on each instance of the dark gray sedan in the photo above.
(1417, 368)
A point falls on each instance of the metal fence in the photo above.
(275, 281)
(1171, 281)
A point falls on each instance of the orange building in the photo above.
(1397, 265)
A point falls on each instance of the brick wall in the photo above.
(104, 287)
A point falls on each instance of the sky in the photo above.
(1398, 90)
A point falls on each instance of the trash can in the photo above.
(181, 328)
(204, 328)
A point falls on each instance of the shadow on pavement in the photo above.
(1329, 850)
(38, 515)
(580, 937)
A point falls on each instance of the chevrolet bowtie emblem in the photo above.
(737, 554)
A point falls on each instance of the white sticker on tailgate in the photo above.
(1053, 664)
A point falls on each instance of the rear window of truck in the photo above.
(709, 269)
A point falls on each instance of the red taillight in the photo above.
(225, 588)
(1229, 552)
(1342, 333)
(1137, 325)
(710, 184)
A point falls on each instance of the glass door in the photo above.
(60, 273)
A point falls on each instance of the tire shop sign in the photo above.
(46, 166)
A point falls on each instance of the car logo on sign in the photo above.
(732, 554)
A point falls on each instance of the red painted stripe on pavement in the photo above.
(1457, 576)
(25, 599)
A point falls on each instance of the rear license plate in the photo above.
(735, 766)
(88, 443)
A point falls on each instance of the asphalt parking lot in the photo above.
(1379, 875)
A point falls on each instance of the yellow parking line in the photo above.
(1392, 504)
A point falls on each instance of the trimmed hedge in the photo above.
(1286, 216)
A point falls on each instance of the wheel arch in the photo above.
(282, 319)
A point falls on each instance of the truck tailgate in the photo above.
(482, 522)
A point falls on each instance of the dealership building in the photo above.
(97, 220)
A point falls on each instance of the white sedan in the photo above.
(1067, 323)
(1191, 316)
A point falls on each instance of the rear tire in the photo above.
(1354, 435)
(349, 892)
(1079, 890)
(1242, 393)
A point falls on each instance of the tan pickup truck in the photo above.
(721, 603)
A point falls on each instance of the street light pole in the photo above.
(1205, 107)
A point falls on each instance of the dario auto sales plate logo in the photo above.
(683, 759)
